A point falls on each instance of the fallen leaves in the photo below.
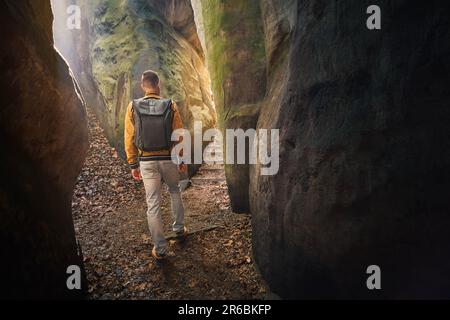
(146, 239)
(111, 225)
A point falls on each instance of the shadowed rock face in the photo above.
(363, 118)
(234, 37)
(119, 40)
(44, 134)
(364, 169)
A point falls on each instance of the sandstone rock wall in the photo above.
(122, 38)
(364, 170)
(234, 38)
(364, 140)
(44, 133)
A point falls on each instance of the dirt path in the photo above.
(110, 221)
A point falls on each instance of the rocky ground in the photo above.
(110, 221)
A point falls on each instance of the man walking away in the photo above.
(149, 123)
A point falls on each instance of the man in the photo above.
(149, 122)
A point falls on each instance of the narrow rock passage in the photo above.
(110, 221)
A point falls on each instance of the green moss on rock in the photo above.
(235, 42)
(129, 37)
(236, 53)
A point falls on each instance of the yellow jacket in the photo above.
(133, 153)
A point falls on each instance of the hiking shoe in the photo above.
(181, 235)
(157, 256)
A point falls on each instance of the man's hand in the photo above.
(182, 168)
(136, 173)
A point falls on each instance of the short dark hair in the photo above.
(151, 77)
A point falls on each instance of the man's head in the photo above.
(150, 82)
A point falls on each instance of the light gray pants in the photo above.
(153, 174)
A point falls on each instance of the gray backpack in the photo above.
(153, 121)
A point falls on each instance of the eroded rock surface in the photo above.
(121, 39)
(364, 172)
(234, 37)
(44, 134)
